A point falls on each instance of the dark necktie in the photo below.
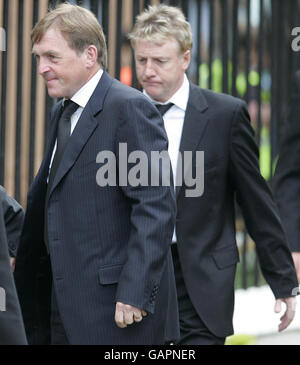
(163, 108)
(63, 135)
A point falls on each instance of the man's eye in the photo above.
(53, 58)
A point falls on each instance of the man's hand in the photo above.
(289, 314)
(12, 263)
(296, 258)
(126, 314)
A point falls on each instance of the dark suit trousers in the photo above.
(58, 333)
(193, 330)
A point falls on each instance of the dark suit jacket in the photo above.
(219, 125)
(11, 323)
(287, 175)
(107, 244)
(13, 215)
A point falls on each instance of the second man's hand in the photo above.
(289, 314)
(127, 314)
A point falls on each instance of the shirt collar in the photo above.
(83, 95)
(180, 98)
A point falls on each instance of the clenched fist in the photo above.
(127, 314)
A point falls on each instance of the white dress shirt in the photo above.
(173, 121)
(81, 98)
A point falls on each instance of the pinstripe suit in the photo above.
(106, 244)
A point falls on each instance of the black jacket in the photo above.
(11, 324)
(287, 175)
(220, 126)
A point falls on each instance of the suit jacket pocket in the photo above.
(226, 256)
(86, 168)
(109, 274)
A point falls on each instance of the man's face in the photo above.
(160, 67)
(64, 71)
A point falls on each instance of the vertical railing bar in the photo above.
(224, 46)
(119, 40)
(235, 46)
(199, 43)
(248, 48)
(3, 97)
(211, 41)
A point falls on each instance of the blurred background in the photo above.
(241, 47)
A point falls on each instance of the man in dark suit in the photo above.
(205, 253)
(108, 240)
(11, 220)
(287, 177)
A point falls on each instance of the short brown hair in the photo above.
(79, 26)
(161, 22)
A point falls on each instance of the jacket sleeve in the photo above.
(153, 208)
(259, 209)
(13, 219)
(287, 175)
(12, 330)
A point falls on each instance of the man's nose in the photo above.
(149, 71)
(43, 67)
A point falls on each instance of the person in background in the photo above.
(12, 330)
(13, 219)
(204, 247)
(287, 177)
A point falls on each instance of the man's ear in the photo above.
(186, 59)
(91, 56)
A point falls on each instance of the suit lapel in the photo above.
(86, 125)
(195, 123)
